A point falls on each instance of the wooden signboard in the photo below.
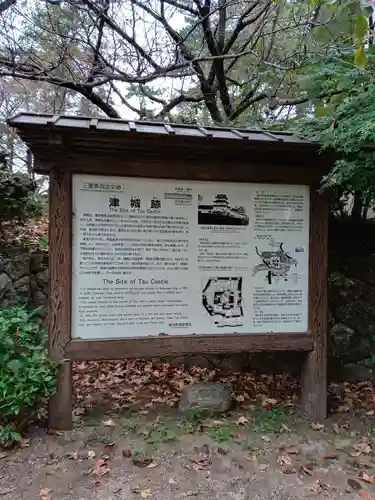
(170, 240)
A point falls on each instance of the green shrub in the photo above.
(27, 375)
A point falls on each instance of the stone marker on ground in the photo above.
(206, 397)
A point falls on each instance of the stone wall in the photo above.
(24, 279)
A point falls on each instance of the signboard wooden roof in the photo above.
(77, 136)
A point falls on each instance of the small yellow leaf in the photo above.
(360, 59)
(317, 427)
(367, 478)
(284, 460)
(152, 465)
(364, 448)
(242, 420)
(144, 493)
(109, 423)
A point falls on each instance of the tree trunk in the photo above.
(356, 214)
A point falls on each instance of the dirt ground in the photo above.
(252, 453)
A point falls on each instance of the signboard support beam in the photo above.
(314, 374)
(59, 314)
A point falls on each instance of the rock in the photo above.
(355, 373)
(4, 281)
(341, 337)
(206, 397)
(18, 266)
(357, 314)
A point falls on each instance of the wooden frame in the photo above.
(169, 165)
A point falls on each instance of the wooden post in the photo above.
(60, 276)
(314, 375)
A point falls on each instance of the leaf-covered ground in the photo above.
(129, 442)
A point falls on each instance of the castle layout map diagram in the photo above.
(222, 299)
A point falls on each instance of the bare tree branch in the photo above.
(6, 4)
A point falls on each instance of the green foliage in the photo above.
(342, 119)
(18, 198)
(26, 373)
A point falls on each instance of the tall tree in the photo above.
(223, 57)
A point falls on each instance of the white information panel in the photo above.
(153, 257)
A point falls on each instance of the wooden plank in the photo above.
(169, 346)
(60, 274)
(314, 376)
(172, 168)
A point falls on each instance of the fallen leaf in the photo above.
(266, 438)
(269, 402)
(317, 427)
(214, 422)
(364, 448)
(153, 464)
(284, 460)
(54, 432)
(370, 413)
(319, 486)
(100, 468)
(367, 478)
(305, 470)
(127, 453)
(198, 464)
(285, 428)
(343, 409)
(142, 462)
(145, 493)
(45, 494)
(242, 420)
(292, 450)
(354, 484)
(331, 456)
(109, 423)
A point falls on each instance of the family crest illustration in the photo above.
(276, 263)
